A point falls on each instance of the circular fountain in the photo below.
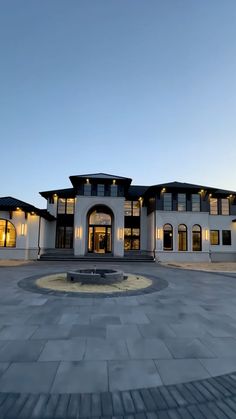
(96, 276)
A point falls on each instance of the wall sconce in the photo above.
(163, 190)
(79, 232)
(206, 234)
(23, 229)
(120, 233)
(158, 233)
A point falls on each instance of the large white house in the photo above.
(104, 214)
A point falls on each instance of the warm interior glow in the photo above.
(206, 234)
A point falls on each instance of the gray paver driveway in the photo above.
(56, 344)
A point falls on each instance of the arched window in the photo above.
(197, 238)
(168, 237)
(182, 237)
(99, 218)
(7, 234)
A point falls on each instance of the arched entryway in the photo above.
(100, 220)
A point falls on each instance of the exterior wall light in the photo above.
(158, 233)
(114, 182)
(79, 232)
(120, 233)
(17, 209)
(206, 234)
(87, 180)
(163, 190)
(23, 229)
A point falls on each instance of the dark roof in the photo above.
(184, 186)
(136, 191)
(75, 180)
(68, 192)
(8, 203)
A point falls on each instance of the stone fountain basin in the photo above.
(96, 276)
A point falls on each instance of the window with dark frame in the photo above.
(196, 202)
(181, 202)
(168, 237)
(100, 190)
(196, 238)
(226, 237)
(132, 239)
(132, 209)
(213, 206)
(214, 237)
(182, 238)
(224, 206)
(167, 201)
(65, 206)
(7, 234)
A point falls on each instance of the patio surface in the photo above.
(60, 351)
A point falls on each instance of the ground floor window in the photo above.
(182, 237)
(132, 239)
(215, 237)
(168, 237)
(64, 237)
(197, 238)
(226, 237)
(7, 234)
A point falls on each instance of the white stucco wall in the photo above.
(83, 204)
(27, 244)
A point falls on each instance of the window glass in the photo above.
(61, 206)
(214, 237)
(226, 237)
(70, 206)
(100, 190)
(182, 237)
(213, 206)
(87, 189)
(181, 202)
(64, 237)
(197, 238)
(99, 218)
(168, 237)
(224, 206)
(167, 201)
(196, 202)
(128, 208)
(136, 209)
(113, 190)
(7, 234)
(131, 239)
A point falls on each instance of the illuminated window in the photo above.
(182, 237)
(226, 237)
(181, 202)
(224, 206)
(213, 206)
(99, 218)
(132, 208)
(65, 206)
(215, 237)
(196, 202)
(7, 234)
(197, 238)
(168, 237)
(167, 201)
(131, 239)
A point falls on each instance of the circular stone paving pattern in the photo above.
(58, 284)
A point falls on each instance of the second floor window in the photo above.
(132, 208)
(196, 202)
(213, 206)
(100, 190)
(167, 201)
(181, 202)
(224, 206)
(65, 206)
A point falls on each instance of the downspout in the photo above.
(39, 230)
(155, 222)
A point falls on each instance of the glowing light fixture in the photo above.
(79, 232)
(206, 234)
(23, 229)
(158, 233)
(87, 180)
(163, 190)
(120, 233)
(114, 181)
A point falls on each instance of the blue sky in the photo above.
(138, 88)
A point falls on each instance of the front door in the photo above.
(99, 240)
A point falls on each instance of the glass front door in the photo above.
(99, 240)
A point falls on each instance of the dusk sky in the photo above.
(138, 88)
